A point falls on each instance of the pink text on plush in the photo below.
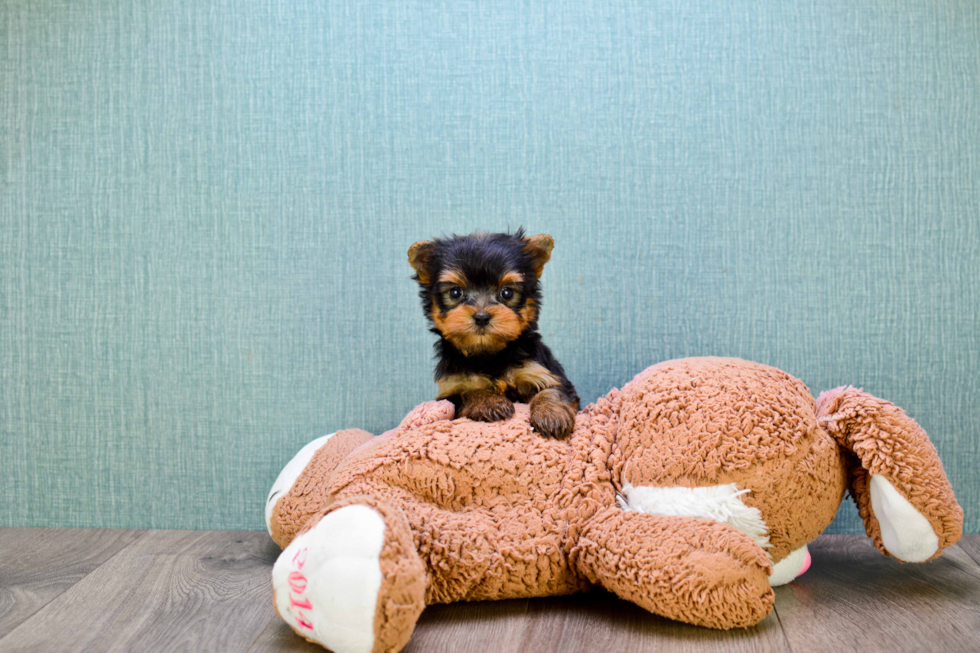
(297, 583)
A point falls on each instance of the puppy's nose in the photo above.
(481, 319)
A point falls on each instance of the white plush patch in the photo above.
(719, 502)
(789, 567)
(289, 474)
(905, 532)
(327, 580)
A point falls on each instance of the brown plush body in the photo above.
(476, 511)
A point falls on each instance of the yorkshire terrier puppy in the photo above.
(482, 297)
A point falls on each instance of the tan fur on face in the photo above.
(457, 327)
(530, 312)
(458, 320)
(452, 276)
(512, 279)
(504, 323)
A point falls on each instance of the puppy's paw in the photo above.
(486, 407)
(551, 416)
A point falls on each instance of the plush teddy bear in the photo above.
(691, 492)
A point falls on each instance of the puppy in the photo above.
(482, 296)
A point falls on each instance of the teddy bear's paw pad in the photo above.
(289, 474)
(327, 580)
(905, 532)
(791, 567)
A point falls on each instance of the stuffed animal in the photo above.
(691, 492)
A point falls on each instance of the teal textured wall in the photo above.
(206, 206)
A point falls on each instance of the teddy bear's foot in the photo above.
(905, 532)
(791, 567)
(352, 581)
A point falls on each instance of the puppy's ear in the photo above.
(539, 247)
(419, 257)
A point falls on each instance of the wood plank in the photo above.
(168, 591)
(854, 598)
(578, 623)
(182, 590)
(599, 621)
(279, 637)
(39, 564)
(486, 627)
(971, 544)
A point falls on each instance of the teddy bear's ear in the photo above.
(539, 247)
(419, 257)
(910, 516)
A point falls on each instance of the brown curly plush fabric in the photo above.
(310, 493)
(467, 501)
(496, 511)
(699, 422)
(887, 441)
(685, 569)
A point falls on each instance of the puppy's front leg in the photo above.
(553, 413)
(485, 406)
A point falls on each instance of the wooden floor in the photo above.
(128, 590)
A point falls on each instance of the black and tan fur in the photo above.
(481, 293)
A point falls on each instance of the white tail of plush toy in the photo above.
(896, 477)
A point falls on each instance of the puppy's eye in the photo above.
(507, 294)
(455, 293)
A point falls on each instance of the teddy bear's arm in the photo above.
(426, 413)
(694, 570)
(301, 490)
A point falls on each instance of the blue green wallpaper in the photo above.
(206, 205)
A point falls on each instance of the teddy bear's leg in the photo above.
(897, 479)
(300, 490)
(462, 551)
(352, 580)
(695, 570)
(475, 554)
